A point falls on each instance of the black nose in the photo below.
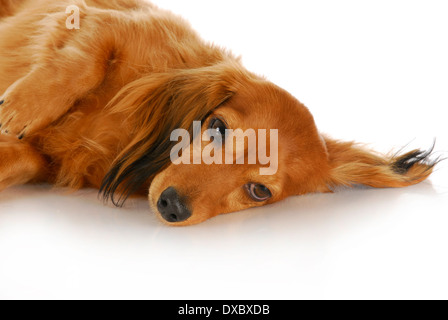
(172, 207)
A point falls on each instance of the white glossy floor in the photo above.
(356, 244)
(383, 83)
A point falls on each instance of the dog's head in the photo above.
(275, 150)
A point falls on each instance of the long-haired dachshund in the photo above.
(96, 106)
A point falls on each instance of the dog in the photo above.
(95, 107)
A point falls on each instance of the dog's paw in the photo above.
(17, 118)
(10, 116)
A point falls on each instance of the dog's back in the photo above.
(10, 7)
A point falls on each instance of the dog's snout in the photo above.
(172, 207)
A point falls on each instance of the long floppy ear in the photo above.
(155, 105)
(351, 165)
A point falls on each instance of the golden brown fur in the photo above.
(95, 107)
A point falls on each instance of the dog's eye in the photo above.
(259, 192)
(218, 126)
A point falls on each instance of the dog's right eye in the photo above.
(218, 126)
(258, 192)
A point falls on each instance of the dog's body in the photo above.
(83, 70)
(95, 107)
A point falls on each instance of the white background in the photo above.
(371, 71)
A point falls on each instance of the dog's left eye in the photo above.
(218, 126)
(259, 192)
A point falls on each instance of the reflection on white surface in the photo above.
(353, 244)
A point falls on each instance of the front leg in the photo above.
(20, 163)
(47, 93)
(67, 67)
